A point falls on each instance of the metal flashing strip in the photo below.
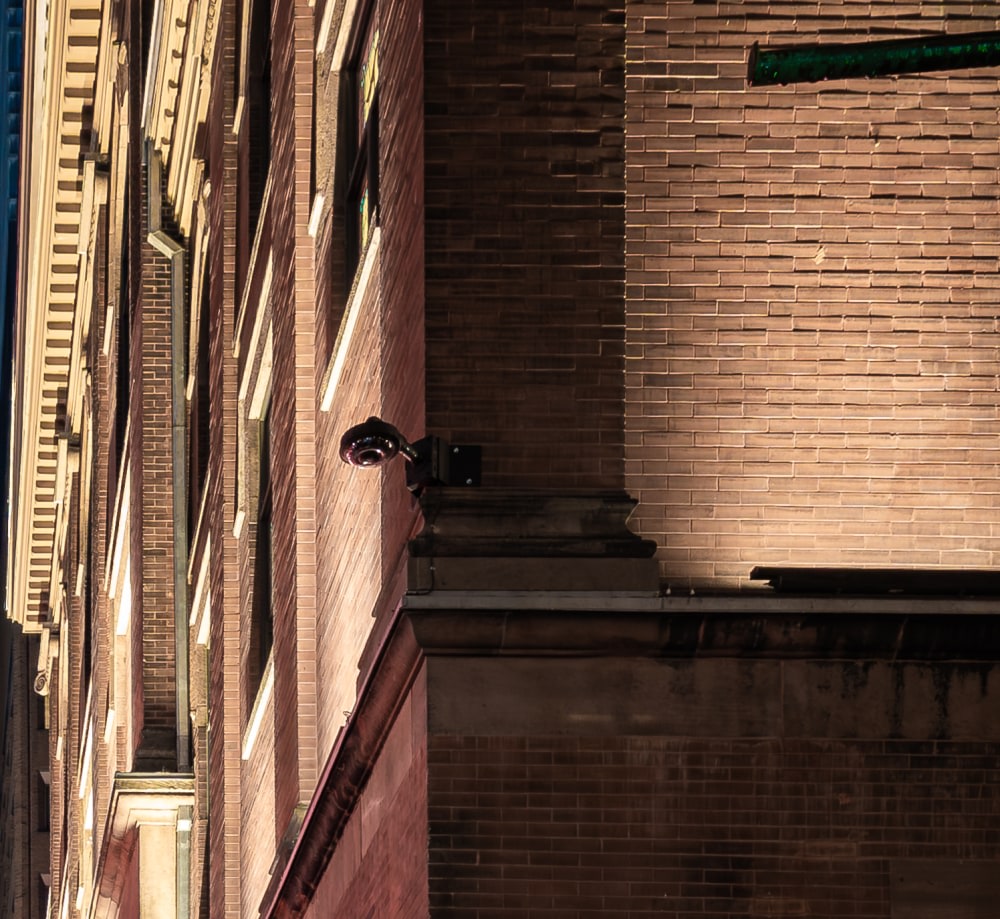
(955, 583)
(751, 602)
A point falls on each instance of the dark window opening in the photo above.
(44, 808)
(258, 103)
(254, 154)
(85, 556)
(362, 204)
(88, 626)
(262, 613)
(123, 350)
(199, 430)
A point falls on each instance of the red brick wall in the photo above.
(369, 511)
(351, 515)
(403, 261)
(524, 196)
(379, 867)
(258, 788)
(225, 688)
(632, 826)
(100, 423)
(812, 278)
(293, 408)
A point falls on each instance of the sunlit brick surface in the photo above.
(812, 346)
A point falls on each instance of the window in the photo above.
(124, 347)
(362, 187)
(258, 102)
(44, 805)
(262, 613)
(254, 91)
(199, 410)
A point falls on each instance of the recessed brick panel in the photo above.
(524, 190)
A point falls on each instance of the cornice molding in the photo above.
(178, 96)
(59, 81)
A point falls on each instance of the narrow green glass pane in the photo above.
(813, 63)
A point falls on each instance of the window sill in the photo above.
(331, 379)
(260, 706)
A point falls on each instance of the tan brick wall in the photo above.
(812, 341)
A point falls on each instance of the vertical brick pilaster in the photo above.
(293, 409)
(225, 692)
(525, 217)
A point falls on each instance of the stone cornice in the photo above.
(176, 105)
(59, 90)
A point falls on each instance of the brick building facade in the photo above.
(711, 630)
